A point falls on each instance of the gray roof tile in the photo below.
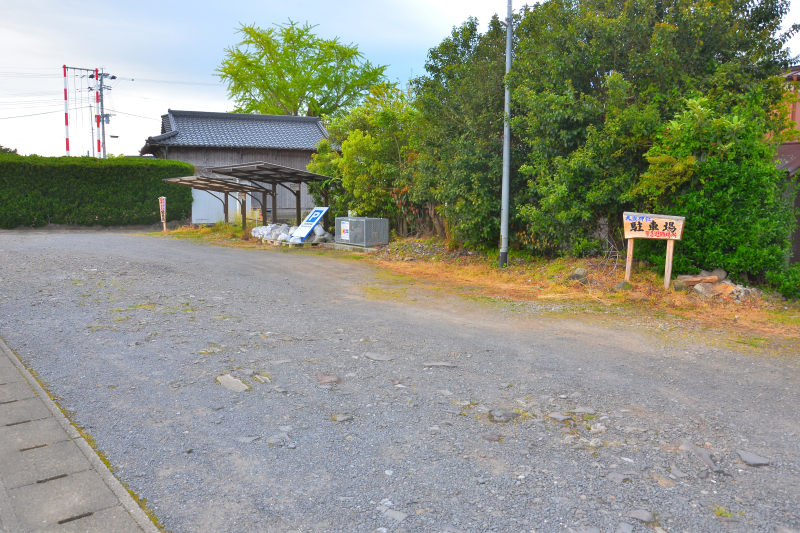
(198, 128)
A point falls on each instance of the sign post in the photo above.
(162, 206)
(308, 224)
(645, 226)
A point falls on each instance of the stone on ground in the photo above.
(623, 286)
(327, 380)
(231, 383)
(641, 515)
(501, 416)
(751, 459)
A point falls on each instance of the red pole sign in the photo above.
(162, 206)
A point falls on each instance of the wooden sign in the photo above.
(646, 226)
(643, 226)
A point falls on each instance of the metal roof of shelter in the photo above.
(263, 172)
(204, 183)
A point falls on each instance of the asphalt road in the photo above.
(130, 333)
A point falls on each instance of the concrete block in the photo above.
(8, 372)
(17, 390)
(43, 505)
(22, 411)
(18, 468)
(46, 431)
(115, 519)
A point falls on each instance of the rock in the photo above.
(720, 273)
(674, 470)
(781, 529)
(231, 383)
(492, 438)
(588, 529)
(502, 416)
(506, 385)
(580, 274)
(617, 478)
(624, 528)
(751, 459)
(377, 357)
(598, 428)
(714, 289)
(326, 380)
(623, 286)
(247, 440)
(641, 515)
(396, 515)
(438, 364)
(701, 454)
(480, 408)
(703, 289)
(583, 411)
(279, 438)
(559, 417)
(679, 286)
(444, 392)
(341, 418)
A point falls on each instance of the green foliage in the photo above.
(595, 82)
(787, 281)
(288, 70)
(35, 191)
(716, 169)
(374, 171)
(460, 133)
(4, 150)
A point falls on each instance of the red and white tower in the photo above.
(97, 101)
(66, 109)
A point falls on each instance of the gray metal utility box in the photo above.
(362, 231)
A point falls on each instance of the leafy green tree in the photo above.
(4, 150)
(717, 169)
(288, 70)
(460, 132)
(374, 166)
(596, 80)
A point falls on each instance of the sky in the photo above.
(164, 55)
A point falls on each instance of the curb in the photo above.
(125, 499)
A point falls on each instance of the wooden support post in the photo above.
(629, 261)
(226, 207)
(297, 198)
(264, 208)
(668, 265)
(274, 203)
(244, 213)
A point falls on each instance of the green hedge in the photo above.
(35, 191)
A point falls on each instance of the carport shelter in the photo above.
(259, 177)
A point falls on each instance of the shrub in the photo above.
(35, 191)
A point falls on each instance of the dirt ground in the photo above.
(389, 395)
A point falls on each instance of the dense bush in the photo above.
(35, 191)
(714, 167)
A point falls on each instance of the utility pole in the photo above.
(506, 148)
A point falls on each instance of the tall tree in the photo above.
(288, 70)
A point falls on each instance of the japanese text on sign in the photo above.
(643, 226)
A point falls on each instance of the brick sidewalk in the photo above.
(50, 478)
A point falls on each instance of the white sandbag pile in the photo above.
(282, 233)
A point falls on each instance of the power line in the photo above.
(33, 115)
(174, 82)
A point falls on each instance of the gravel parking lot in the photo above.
(367, 414)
